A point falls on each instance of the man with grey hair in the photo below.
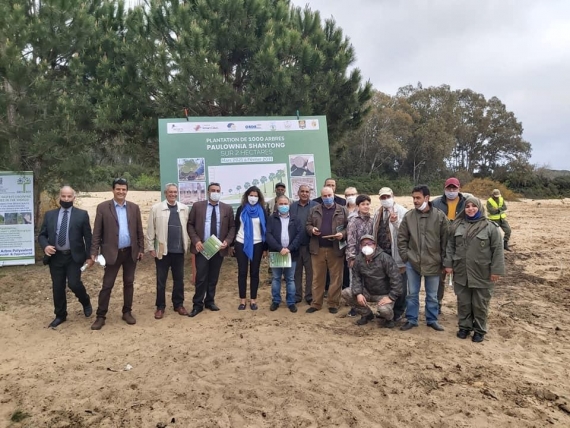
(65, 237)
(167, 242)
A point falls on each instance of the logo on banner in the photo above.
(314, 123)
(302, 124)
(257, 126)
(273, 126)
(197, 128)
(288, 124)
(231, 126)
(24, 181)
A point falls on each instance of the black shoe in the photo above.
(88, 310)
(309, 301)
(274, 306)
(364, 319)
(436, 326)
(388, 324)
(478, 337)
(352, 313)
(311, 310)
(292, 308)
(463, 334)
(56, 322)
(194, 312)
(213, 307)
(333, 310)
(408, 326)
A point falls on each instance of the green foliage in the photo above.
(483, 187)
(146, 182)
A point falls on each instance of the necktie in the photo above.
(61, 237)
(213, 223)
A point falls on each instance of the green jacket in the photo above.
(475, 261)
(422, 238)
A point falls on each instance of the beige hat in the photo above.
(385, 191)
(496, 192)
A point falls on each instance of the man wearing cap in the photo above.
(452, 203)
(496, 208)
(271, 206)
(375, 280)
(386, 223)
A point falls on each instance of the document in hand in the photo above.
(342, 243)
(211, 246)
(276, 260)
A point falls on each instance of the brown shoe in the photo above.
(129, 319)
(181, 311)
(159, 314)
(98, 324)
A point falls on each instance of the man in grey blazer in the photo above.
(65, 237)
(207, 218)
(119, 236)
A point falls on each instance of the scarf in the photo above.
(476, 223)
(248, 213)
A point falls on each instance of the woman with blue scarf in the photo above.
(475, 257)
(251, 221)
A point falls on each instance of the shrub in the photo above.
(483, 187)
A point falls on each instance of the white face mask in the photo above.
(367, 251)
(387, 203)
(252, 200)
(351, 200)
(423, 206)
(215, 196)
(451, 195)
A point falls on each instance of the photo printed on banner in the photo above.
(191, 169)
(302, 165)
(190, 192)
(297, 182)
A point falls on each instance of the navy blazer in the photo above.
(79, 233)
(273, 236)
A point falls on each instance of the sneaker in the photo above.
(364, 319)
(463, 334)
(292, 308)
(352, 313)
(274, 306)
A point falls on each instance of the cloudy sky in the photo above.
(517, 50)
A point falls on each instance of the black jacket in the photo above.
(273, 237)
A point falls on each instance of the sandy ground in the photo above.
(277, 369)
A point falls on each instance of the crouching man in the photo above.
(376, 281)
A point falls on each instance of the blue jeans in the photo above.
(413, 301)
(289, 274)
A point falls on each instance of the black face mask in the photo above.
(65, 204)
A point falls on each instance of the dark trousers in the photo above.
(441, 288)
(243, 263)
(64, 269)
(345, 275)
(400, 303)
(304, 262)
(175, 263)
(207, 274)
(125, 260)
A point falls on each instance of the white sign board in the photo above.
(17, 246)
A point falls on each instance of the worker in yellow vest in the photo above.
(496, 208)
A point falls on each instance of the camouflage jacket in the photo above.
(380, 275)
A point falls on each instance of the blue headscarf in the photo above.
(248, 213)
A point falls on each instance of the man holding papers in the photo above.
(211, 228)
(167, 244)
(284, 237)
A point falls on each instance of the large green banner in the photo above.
(243, 152)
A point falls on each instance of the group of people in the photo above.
(374, 261)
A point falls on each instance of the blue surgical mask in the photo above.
(283, 209)
(328, 201)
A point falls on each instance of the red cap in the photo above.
(452, 182)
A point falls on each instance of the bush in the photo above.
(146, 182)
(483, 187)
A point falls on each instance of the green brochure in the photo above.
(276, 260)
(211, 247)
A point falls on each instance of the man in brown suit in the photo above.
(207, 218)
(118, 234)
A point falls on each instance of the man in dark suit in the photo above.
(118, 235)
(207, 218)
(65, 237)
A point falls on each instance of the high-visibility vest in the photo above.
(494, 204)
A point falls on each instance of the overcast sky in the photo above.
(518, 51)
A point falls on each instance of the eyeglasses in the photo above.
(122, 181)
